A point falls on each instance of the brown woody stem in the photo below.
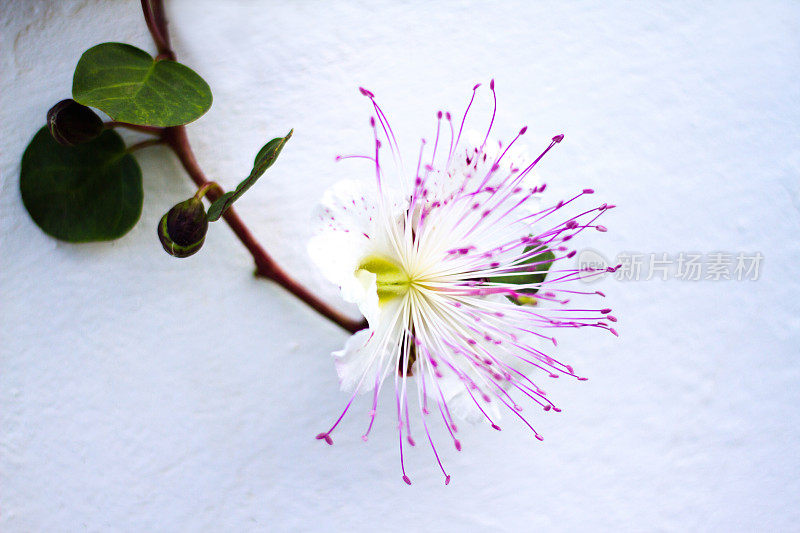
(176, 138)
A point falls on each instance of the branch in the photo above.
(157, 24)
(265, 266)
(177, 140)
(144, 144)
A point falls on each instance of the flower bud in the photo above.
(71, 123)
(182, 230)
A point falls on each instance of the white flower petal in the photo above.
(366, 355)
(349, 230)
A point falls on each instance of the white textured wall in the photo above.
(143, 393)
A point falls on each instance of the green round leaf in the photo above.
(130, 86)
(89, 192)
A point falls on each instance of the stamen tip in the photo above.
(558, 138)
(491, 84)
(447, 480)
(406, 479)
(324, 436)
(366, 93)
(523, 130)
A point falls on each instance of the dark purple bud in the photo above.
(71, 123)
(182, 230)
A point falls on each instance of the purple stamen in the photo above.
(456, 328)
(494, 112)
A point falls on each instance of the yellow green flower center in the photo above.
(392, 279)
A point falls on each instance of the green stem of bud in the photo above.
(144, 144)
(207, 187)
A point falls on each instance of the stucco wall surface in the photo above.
(143, 393)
